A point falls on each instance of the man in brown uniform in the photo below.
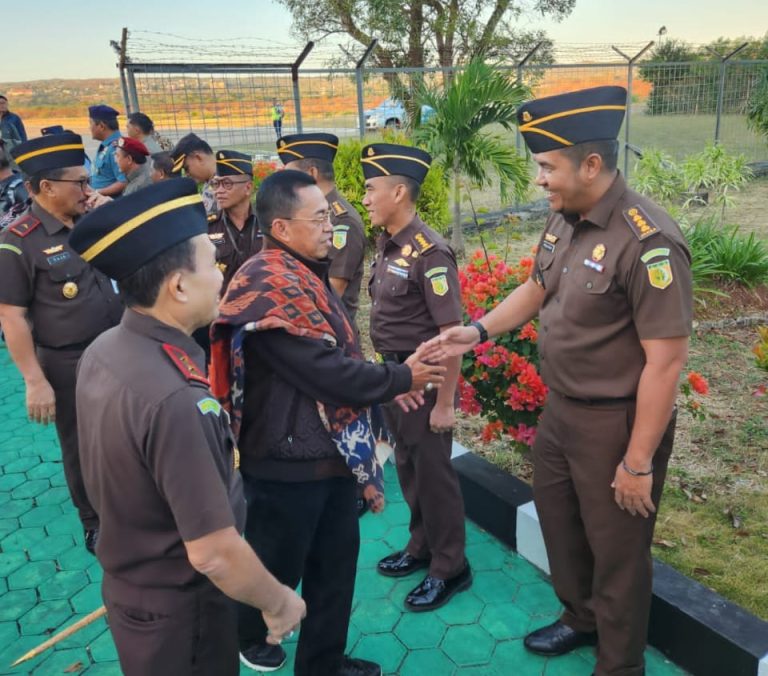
(159, 460)
(612, 287)
(195, 157)
(234, 231)
(313, 154)
(52, 303)
(415, 295)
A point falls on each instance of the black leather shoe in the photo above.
(558, 639)
(263, 657)
(434, 592)
(401, 564)
(352, 666)
(91, 537)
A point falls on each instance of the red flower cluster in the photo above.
(501, 379)
(698, 383)
(262, 169)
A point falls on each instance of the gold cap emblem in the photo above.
(527, 117)
(370, 152)
(70, 290)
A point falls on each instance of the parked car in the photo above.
(391, 114)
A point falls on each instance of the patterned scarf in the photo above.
(275, 290)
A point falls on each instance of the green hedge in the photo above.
(433, 201)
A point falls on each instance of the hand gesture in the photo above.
(41, 402)
(633, 493)
(451, 343)
(424, 375)
(283, 622)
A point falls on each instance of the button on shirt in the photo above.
(347, 252)
(68, 301)
(606, 289)
(157, 455)
(104, 171)
(414, 288)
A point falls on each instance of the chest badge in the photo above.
(598, 253)
(53, 250)
(222, 267)
(406, 250)
(70, 290)
(549, 237)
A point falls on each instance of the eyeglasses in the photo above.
(82, 182)
(317, 220)
(225, 183)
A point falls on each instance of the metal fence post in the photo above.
(721, 88)
(133, 94)
(295, 77)
(519, 69)
(630, 66)
(359, 81)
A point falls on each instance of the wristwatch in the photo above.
(481, 330)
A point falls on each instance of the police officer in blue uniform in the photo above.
(106, 176)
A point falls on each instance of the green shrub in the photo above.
(433, 201)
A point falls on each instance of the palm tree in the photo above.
(457, 136)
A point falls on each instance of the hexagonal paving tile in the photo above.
(14, 650)
(375, 528)
(66, 523)
(537, 599)
(63, 661)
(494, 586)
(103, 648)
(505, 621)
(9, 632)
(62, 585)
(10, 561)
(513, 655)
(44, 470)
(384, 649)
(464, 608)
(87, 635)
(55, 495)
(50, 548)
(372, 553)
(10, 481)
(77, 558)
(7, 526)
(103, 669)
(32, 575)
(40, 516)
(14, 604)
(87, 599)
(15, 508)
(370, 585)
(427, 663)
(468, 645)
(486, 556)
(375, 616)
(22, 464)
(22, 539)
(397, 514)
(416, 631)
(46, 617)
(519, 569)
(578, 662)
(30, 489)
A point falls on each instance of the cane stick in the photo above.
(64, 633)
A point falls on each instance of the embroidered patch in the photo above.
(10, 247)
(209, 405)
(423, 242)
(24, 226)
(406, 250)
(340, 236)
(548, 246)
(640, 223)
(660, 274)
(402, 263)
(438, 279)
(549, 237)
(598, 253)
(182, 361)
(654, 253)
(338, 208)
(53, 249)
(212, 217)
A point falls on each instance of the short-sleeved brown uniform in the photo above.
(619, 276)
(158, 461)
(348, 251)
(233, 246)
(68, 304)
(414, 289)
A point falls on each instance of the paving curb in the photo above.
(695, 627)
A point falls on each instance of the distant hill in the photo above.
(61, 98)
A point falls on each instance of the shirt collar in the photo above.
(147, 325)
(114, 136)
(404, 236)
(600, 214)
(51, 224)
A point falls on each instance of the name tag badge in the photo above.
(594, 265)
(548, 246)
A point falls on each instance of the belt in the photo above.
(397, 357)
(596, 402)
(74, 346)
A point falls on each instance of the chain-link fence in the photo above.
(674, 107)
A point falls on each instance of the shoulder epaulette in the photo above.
(423, 242)
(640, 222)
(338, 208)
(24, 225)
(213, 217)
(182, 361)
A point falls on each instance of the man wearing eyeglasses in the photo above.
(234, 232)
(52, 303)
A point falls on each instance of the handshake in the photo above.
(426, 375)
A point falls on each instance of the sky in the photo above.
(71, 39)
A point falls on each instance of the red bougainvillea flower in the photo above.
(698, 383)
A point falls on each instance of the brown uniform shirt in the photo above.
(414, 288)
(156, 451)
(348, 251)
(233, 246)
(620, 275)
(68, 302)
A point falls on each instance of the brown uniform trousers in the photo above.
(172, 631)
(599, 555)
(430, 487)
(59, 367)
